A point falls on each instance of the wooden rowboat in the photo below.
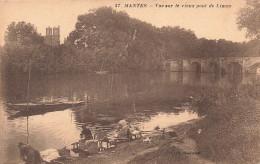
(40, 108)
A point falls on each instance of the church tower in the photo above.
(52, 36)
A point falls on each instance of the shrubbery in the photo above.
(230, 131)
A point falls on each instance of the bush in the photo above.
(230, 131)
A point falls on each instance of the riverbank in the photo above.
(160, 149)
(227, 133)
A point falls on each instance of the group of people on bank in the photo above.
(33, 156)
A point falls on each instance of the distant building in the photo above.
(52, 36)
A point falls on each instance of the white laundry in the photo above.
(49, 154)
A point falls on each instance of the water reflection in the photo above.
(164, 120)
(113, 87)
(147, 97)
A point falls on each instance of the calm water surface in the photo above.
(145, 99)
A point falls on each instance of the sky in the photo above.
(210, 23)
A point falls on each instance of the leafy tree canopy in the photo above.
(249, 18)
(23, 33)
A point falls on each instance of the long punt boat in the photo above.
(22, 107)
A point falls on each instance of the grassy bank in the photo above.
(230, 131)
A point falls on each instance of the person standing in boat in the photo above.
(86, 133)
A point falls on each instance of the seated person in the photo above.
(123, 129)
(29, 154)
(86, 133)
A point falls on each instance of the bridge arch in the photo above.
(234, 67)
(195, 67)
(167, 66)
(255, 68)
(215, 67)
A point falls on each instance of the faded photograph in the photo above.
(130, 82)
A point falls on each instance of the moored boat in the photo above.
(101, 72)
(44, 105)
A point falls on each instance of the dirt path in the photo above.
(189, 146)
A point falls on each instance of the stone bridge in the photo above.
(215, 65)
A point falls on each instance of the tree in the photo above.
(104, 33)
(178, 42)
(22, 43)
(23, 33)
(249, 18)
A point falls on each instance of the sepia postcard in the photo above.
(129, 81)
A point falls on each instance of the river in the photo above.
(145, 99)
